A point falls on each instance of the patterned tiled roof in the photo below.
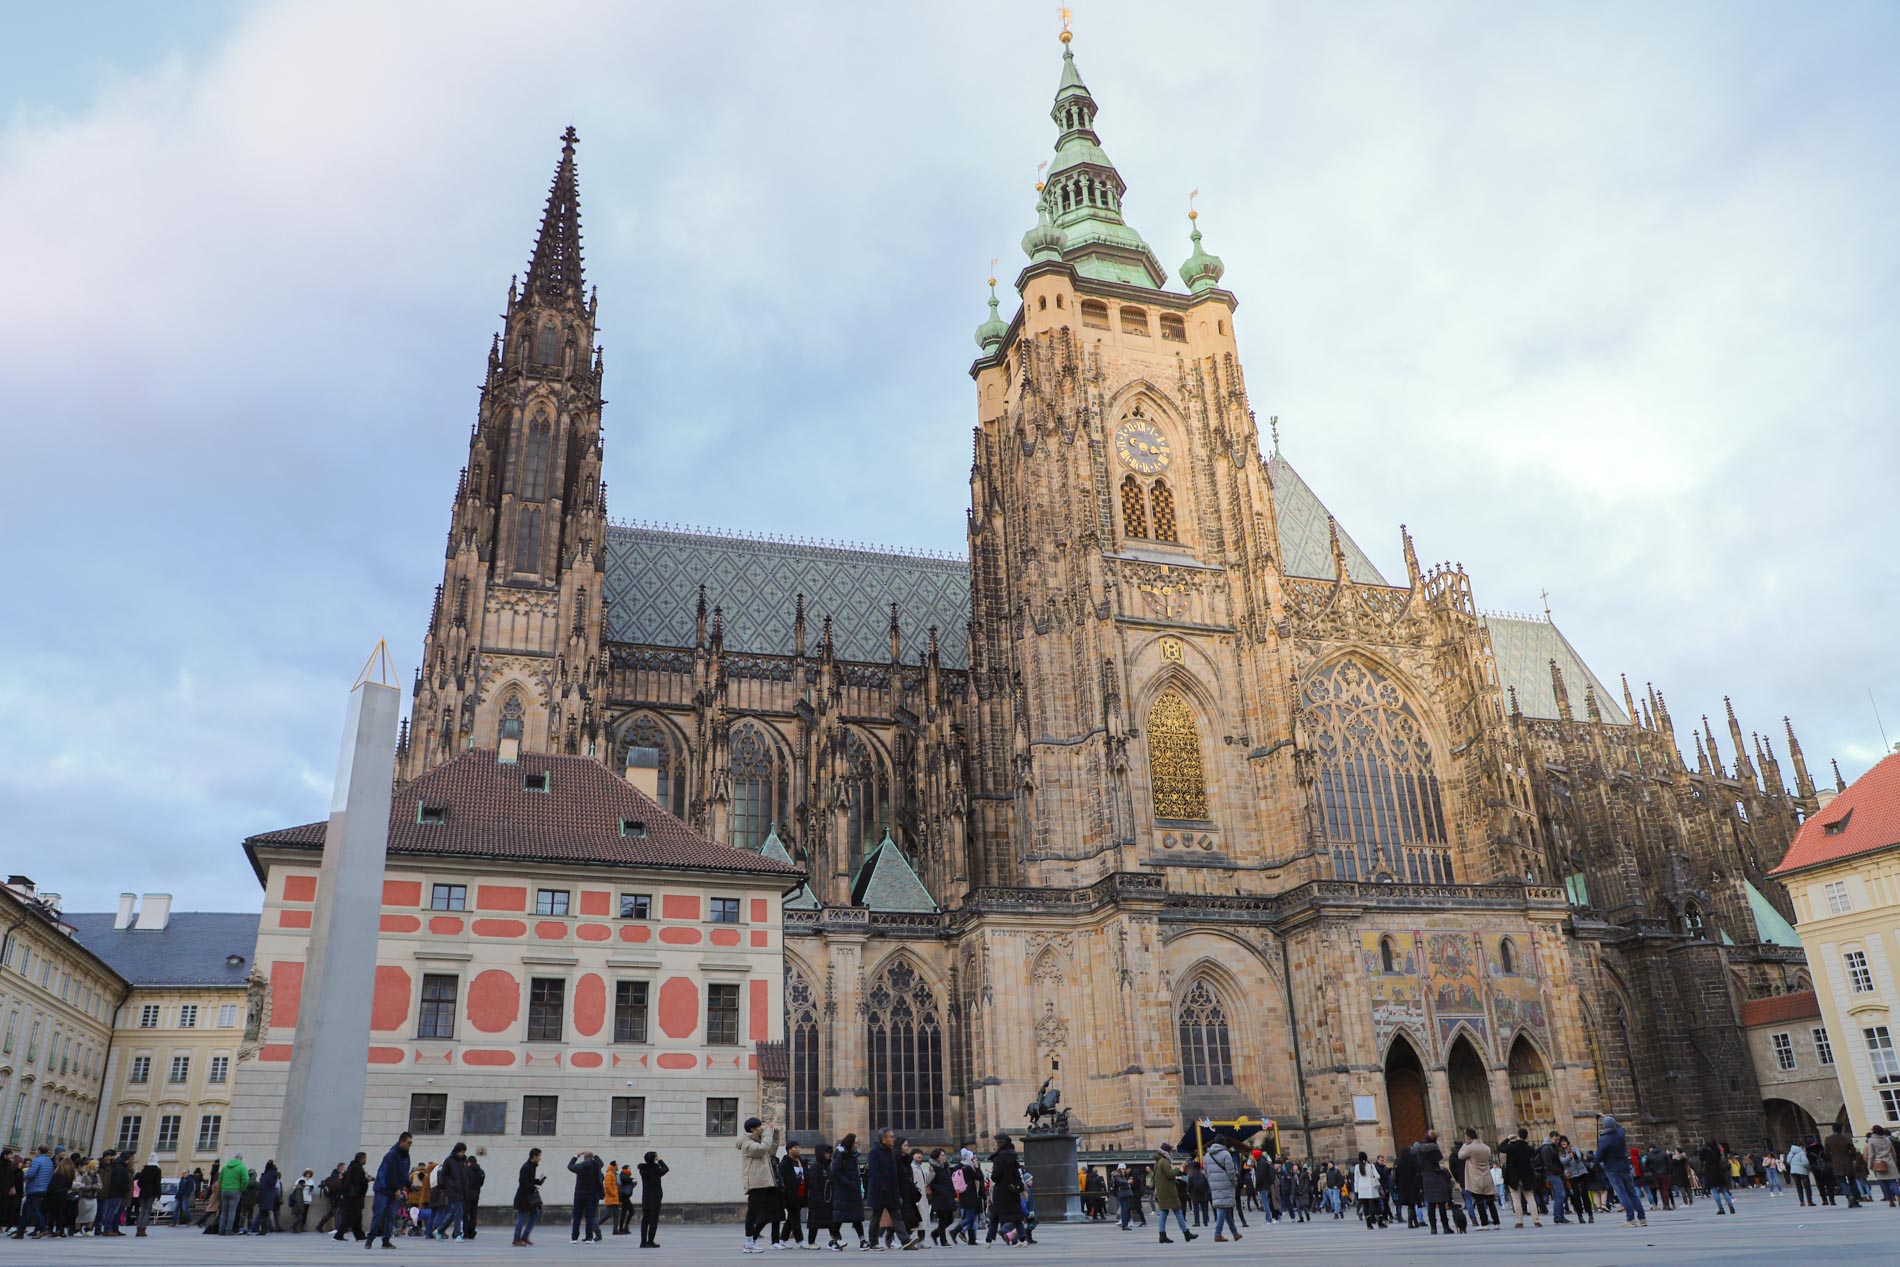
(1306, 541)
(194, 947)
(654, 575)
(1524, 650)
(1780, 1009)
(1860, 820)
(492, 814)
(885, 882)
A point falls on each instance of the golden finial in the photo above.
(1039, 167)
(1192, 213)
(1065, 13)
(993, 260)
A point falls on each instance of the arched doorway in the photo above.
(1788, 1123)
(1530, 1090)
(1470, 1090)
(1405, 1095)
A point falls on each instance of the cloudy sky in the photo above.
(1599, 300)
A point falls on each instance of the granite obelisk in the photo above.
(323, 1100)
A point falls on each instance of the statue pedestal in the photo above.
(1052, 1163)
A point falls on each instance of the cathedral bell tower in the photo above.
(512, 658)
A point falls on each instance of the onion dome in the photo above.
(1045, 241)
(990, 335)
(1202, 271)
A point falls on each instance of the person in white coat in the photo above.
(1367, 1190)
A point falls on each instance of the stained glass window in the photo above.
(1175, 777)
(1134, 509)
(905, 1043)
(801, 1024)
(869, 793)
(759, 784)
(1380, 802)
(1164, 512)
(648, 731)
(1207, 1056)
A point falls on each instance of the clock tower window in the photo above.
(1134, 509)
(1164, 512)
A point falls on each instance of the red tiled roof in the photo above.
(490, 814)
(1780, 1008)
(1860, 820)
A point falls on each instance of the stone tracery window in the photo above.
(547, 347)
(868, 790)
(511, 718)
(1380, 802)
(1134, 509)
(648, 731)
(534, 460)
(1164, 512)
(801, 1027)
(904, 1043)
(1176, 779)
(759, 787)
(1207, 1056)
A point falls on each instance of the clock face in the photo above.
(1141, 446)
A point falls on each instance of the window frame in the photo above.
(1860, 976)
(1839, 900)
(1783, 1046)
(725, 1124)
(1883, 1060)
(448, 897)
(642, 904)
(429, 1011)
(180, 1070)
(150, 1015)
(620, 1110)
(552, 898)
(1823, 1046)
(230, 1009)
(538, 1023)
(474, 1110)
(210, 1132)
(724, 910)
(176, 1123)
(425, 1107)
(540, 1115)
(219, 1071)
(727, 1033)
(639, 1013)
(188, 1016)
(139, 1073)
(129, 1141)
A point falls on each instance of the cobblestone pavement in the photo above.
(1765, 1230)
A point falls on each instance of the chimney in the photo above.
(21, 885)
(128, 904)
(155, 912)
(643, 770)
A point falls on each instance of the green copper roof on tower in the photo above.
(1082, 197)
(1201, 271)
(992, 332)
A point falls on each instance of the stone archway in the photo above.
(1470, 1090)
(1788, 1123)
(1405, 1095)
(1530, 1090)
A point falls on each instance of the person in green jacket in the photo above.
(232, 1181)
(1167, 1193)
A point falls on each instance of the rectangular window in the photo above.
(141, 1069)
(547, 999)
(629, 1115)
(1890, 1103)
(1784, 1051)
(550, 902)
(437, 1019)
(227, 1016)
(484, 1117)
(1173, 328)
(181, 1069)
(33, 1043)
(210, 1126)
(722, 1014)
(725, 910)
(428, 1113)
(13, 1022)
(1838, 903)
(1859, 978)
(1823, 1049)
(148, 1016)
(169, 1126)
(636, 906)
(630, 1012)
(188, 1016)
(448, 897)
(129, 1132)
(1880, 1054)
(538, 1114)
(722, 1115)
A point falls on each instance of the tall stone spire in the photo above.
(1082, 193)
(554, 273)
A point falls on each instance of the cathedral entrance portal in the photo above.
(1530, 1090)
(1405, 1095)
(1470, 1090)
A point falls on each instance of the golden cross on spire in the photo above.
(1065, 13)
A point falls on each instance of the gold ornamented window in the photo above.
(1379, 796)
(1134, 509)
(1164, 512)
(1175, 777)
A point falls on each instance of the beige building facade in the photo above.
(561, 965)
(1843, 871)
(57, 1000)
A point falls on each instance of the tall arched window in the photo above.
(868, 790)
(511, 719)
(904, 1040)
(648, 731)
(801, 1029)
(1163, 501)
(1692, 920)
(760, 795)
(528, 522)
(1207, 1054)
(547, 345)
(1388, 962)
(1134, 509)
(1378, 789)
(1175, 777)
(534, 460)
(1507, 957)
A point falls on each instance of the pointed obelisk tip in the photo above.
(379, 669)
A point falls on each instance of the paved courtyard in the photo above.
(1766, 1230)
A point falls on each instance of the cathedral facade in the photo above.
(1164, 784)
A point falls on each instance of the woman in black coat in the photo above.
(943, 1196)
(847, 1190)
(652, 1193)
(818, 1197)
(1435, 1185)
(1006, 1192)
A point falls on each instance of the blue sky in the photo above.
(1596, 300)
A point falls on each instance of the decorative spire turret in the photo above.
(1201, 271)
(1803, 785)
(1557, 689)
(1840, 784)
(990, 335)
(554, 274)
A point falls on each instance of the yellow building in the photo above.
(56, 1003)
(167, 1083)
(1843, 872)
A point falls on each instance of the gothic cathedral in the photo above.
(1165, 782)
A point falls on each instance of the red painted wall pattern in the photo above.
(679, 1009)
(398, 924)
(402, 893)
(293, 919)
(596, 902)
(300, 888)
(500, 897)
(389, 1008)
(758, 911)
(499, 928)
(756, 1017)
(679, 906)
(590, 1004)
(494, 1001)
(680, 936)
(446, 925)
(286, 992)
